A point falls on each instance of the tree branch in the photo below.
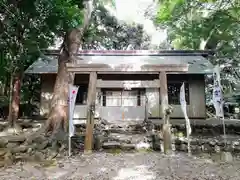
(204, 42)
(88, 8)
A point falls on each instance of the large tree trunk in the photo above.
(14, 99)
(57, 120)
(58, 113)
(10, 120)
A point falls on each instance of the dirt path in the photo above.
(127, 166)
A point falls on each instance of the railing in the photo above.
(105, 100)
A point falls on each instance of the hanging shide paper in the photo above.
(218, 98)
(184, 109)
(73, 90)
(217, 93)
(72, 95)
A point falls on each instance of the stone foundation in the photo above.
(205, 138)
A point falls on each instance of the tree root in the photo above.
(38, 146)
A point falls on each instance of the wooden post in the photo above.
(91, 98)
(165, 115)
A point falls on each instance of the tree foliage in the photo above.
(107, 32)
(205, 24)
(26, 27)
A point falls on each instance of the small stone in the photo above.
(111, 145)
(12, 145)
(143, 145)
(200, 142)
(228, 148)
(8, 159)
(228, 142)
(206, 148)
(21, 157)
(52, 155)
(19, 149)
(183, 147)
(2, 163)
(195, 148)
(3, 142)
(127, 146)
(220, 143)
(39, 156)
(61, 165)
(98, 142)
(55, 145)
(15, 139)
(156, 146)
(194, 142)
(206, 155)
(237, 149)
(217, 148)
(236, 143)
(178, 141)
(212, 143)
(39, 139)
(3, 152)
(43, 145)
(35, 129)
(29, 150)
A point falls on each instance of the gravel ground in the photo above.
(127, 166)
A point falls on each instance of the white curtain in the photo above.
(129, 98)
(121, 98)
(113, 98)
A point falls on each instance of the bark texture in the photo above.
(10, 120)
(14, 99)
(57, 120)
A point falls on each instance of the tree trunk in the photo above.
(57, 119)
(10, 119)
(58, 113)
(14, 99)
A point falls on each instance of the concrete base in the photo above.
(212, 121)
(87, 152)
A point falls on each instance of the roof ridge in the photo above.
(136, 52)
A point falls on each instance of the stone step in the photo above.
(123, 131)
(128, 138)
(111, 145)
(125, 146)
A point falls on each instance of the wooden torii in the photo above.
(83, 67)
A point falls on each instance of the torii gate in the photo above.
(83, 66)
